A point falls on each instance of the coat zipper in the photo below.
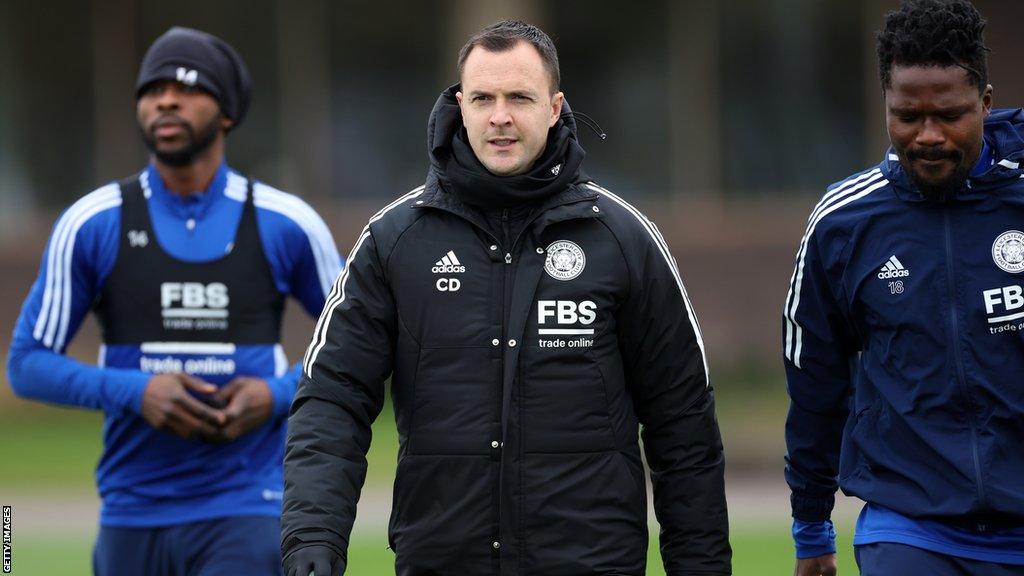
(962, 378)
(506, 271)
(506, 306)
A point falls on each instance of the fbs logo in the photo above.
(194, 300)
(194, 305)
(566, 313)
(1007, 301)
(448, 265)
(893, 268)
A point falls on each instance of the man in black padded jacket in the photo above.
(532, 323)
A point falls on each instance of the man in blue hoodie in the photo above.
(187, 266)
(904, 323)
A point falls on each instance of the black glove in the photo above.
(314, 560)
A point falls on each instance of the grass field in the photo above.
(47, 450)
(45, 447)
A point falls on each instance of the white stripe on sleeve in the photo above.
(850, 191)
(659, 241)
(337, 294)
(320, 240)
(51, 325)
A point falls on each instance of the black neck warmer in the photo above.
(553, 171)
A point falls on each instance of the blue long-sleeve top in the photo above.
(146, 477)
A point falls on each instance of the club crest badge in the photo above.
(1008, 251)
(565, 260)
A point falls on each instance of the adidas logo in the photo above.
(893, 268)
(448, 265)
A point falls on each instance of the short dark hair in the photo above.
(934, 33)
(504, 35)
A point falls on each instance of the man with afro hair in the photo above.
(903, 322)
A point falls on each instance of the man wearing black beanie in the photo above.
(187, 265)
(199, 63)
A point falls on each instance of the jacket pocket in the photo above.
(565, 406)
(583, 513)
(862, 432)
(442, 515)
(401, 474)
(635, 472)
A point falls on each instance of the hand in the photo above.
(819, 566)
(313, 560)
(247, 404)
(167, 405)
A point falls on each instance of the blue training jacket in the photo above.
(916, 309)
(137, 486)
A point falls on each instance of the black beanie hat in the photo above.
(196, 58)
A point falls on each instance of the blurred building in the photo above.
(746, 97)
(724, 119)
